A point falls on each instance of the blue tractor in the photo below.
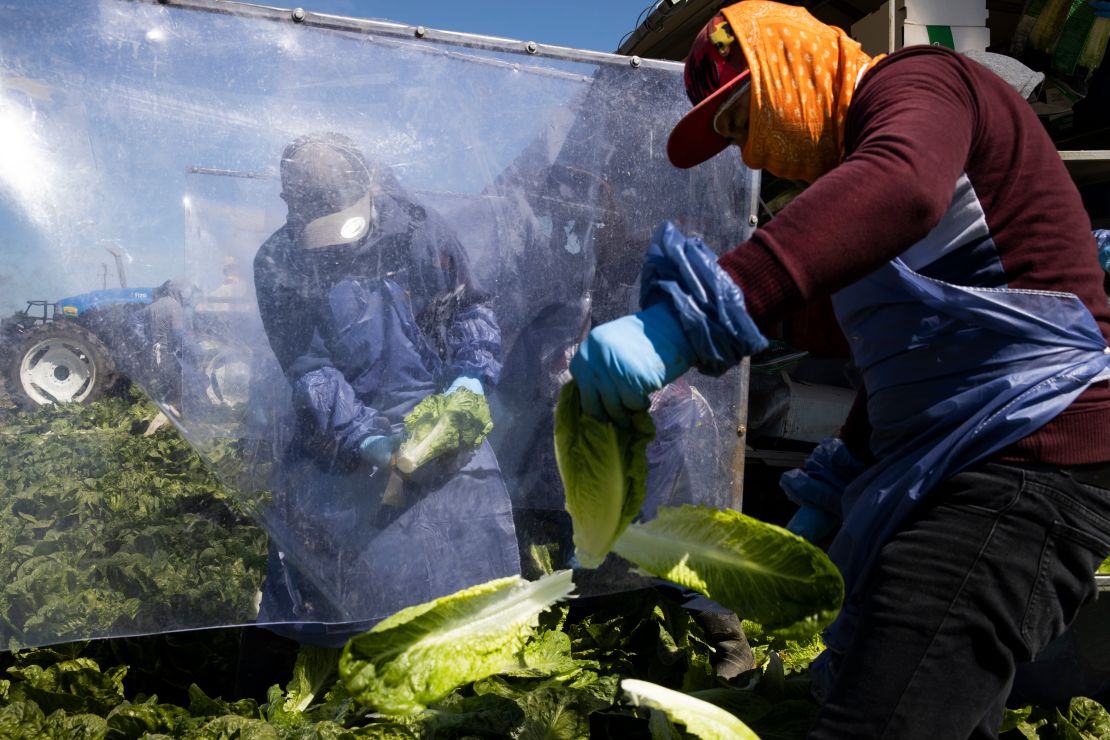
(66, 351)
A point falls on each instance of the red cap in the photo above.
(715, 67)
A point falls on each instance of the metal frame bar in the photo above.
(345, 24)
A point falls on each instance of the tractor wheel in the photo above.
(59, 362)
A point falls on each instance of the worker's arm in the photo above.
(910, 128)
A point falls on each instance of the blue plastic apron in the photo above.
(953, 374)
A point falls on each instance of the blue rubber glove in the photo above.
(683, 273)
(1102, 239)
(812, 524)
(818, 487)
(377, 449)
(622, 362)
(465, 381)
(1102, 8)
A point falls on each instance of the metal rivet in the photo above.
(421, 32)
(741, 430)
(635, 61)
(298, 14)
(531, 47)
(753, 220)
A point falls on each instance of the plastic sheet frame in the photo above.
(155, 131)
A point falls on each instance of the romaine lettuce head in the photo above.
(441, 424)
(760, 571)
(423, 653)
(604, 472)
(701, 719)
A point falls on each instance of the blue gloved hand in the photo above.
(377, 449)
(622, 362)
(465, 381)
(1102, 8)
(818, 487)
(812, 524)
(1102, 239)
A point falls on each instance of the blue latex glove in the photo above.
(377, 449)
(1102, 239)
(812, 524)
(818, 487)
(465, 381)
(622, 362)
(1102, 8)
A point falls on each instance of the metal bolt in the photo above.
(635, 61)
(421, 32)
(753, 220)
(741, 430)
(298, 15)
(531, 47)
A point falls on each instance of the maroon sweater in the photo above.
(922, 120)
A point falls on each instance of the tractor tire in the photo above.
(59, 362)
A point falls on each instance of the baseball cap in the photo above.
(715, 67)
(326, 182)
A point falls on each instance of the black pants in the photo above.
(996, 563)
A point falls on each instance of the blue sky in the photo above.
(597, 25)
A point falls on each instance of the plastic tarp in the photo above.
(157, 131)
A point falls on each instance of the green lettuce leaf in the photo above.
(604, 472)
(441, 424)
(760, 571)
(702, 719)
(312, 674)
(421, 654)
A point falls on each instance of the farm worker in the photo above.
(369, 306)
(971, 480)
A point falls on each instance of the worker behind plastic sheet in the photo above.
(968, 492)
(369, 307)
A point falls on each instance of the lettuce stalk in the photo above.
(702, 719)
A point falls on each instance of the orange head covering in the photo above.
(803, 74)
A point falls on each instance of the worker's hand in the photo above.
(812, 524)
(377, 449)
(1102, 239)
(622, 362)
(819, 485)
(1102, 8)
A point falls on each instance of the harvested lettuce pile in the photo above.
(442, 424)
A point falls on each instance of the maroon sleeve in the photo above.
(910, 128)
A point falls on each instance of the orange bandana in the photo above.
(803, 76)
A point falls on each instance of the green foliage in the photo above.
(105, 531)
(441, 424)
(604, 473)
(1084, 719)
(748, 566)
(796, 655)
